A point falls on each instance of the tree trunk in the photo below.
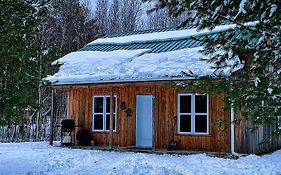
(52, 120)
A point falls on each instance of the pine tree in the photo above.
(256, 89)
(19, 22)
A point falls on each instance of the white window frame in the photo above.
(104, 113)
(193, 114)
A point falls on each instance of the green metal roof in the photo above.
(156, 46)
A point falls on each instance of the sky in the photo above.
(93, 4)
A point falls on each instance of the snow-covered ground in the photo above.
(40, 158)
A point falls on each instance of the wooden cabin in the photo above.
(135, 79)
(150, 114)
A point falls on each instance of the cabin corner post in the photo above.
(51, 141)
(153, 119)
(67, 105)
(111, 120)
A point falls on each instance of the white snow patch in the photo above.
(168, 35)
(159, 35)
(40, 158)
(257, 81)
(130, 65)
(269, 90)
(45, 52)
(242, 6)
(98, 57)
(273, 9)
(91, 66)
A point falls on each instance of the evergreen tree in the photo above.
(19, 24)
(256, 89)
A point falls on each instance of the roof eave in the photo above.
(128, 81)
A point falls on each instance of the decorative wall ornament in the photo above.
(129, 112)
(123, 105)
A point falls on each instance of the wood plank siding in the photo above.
(165, 111)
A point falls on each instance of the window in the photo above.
(101, 113)
(193, 114)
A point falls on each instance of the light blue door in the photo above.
(144, 121)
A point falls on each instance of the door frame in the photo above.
(152, 121)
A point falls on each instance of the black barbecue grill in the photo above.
(67, 132)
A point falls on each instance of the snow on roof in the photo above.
(98, 57)
(132, 65)
(159, 35)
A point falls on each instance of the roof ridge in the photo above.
(153, 35)
(137, 32)
(119, 34)
(166, 39)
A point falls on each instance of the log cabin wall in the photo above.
(165, 109)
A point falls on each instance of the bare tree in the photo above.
(118, 16)
(162, 19)
(130, 12)
(101, 15)
(70, 25)
(114, 17)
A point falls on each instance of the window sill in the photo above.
(195, 135)
(104, 132)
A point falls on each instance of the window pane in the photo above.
(108, 104)
(185, 123)
(185, 104)
(201, 104)
(108, 121)
(98, 122)
(201, 123)
(98, 108)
